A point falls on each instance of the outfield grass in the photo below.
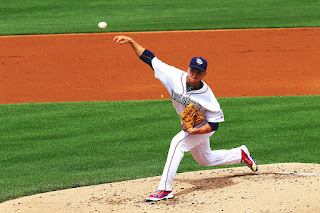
(68, 16)
(50, 146)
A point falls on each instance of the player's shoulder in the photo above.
(158, 64)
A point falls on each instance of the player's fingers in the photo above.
(121, 40)
(117, 39)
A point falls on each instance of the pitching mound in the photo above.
(287, 187)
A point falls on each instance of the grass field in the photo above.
(49, 146)
(68, 16)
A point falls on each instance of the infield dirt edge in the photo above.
(229, 190)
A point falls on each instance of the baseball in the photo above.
(102, 25)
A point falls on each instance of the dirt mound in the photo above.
(287, 187)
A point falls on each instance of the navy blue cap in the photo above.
(199, 63)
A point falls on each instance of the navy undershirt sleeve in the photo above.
(214, 126)
(147, 56)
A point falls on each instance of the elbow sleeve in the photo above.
(147, 57)
(214, 126)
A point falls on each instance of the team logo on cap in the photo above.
(199, 61)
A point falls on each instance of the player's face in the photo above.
(195, 75)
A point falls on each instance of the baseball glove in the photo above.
(191, 116)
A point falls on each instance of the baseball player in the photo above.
(185, 87)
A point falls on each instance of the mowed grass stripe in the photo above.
(51, 146)
(67, 16)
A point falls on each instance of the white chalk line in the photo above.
(297, 173)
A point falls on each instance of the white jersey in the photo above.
(175, 80)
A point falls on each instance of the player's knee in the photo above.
(202, 162)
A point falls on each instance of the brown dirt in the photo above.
(90, 67)
(220, 190)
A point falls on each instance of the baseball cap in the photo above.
(199, 63)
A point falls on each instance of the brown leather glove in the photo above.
(191, 116)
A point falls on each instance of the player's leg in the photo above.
(206, 157)
(182, 142)
(175, 155)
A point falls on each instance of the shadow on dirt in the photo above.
(208, 183)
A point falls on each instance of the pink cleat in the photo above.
(160, 195)
(247, 159)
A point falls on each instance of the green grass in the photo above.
(51, 146)
(68, 16)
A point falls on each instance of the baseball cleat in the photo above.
(160, 195)
(247, 159)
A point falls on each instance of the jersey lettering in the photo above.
(184, 100)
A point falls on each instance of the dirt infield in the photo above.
(90, 67)
(220, 190)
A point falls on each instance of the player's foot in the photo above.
(247, 159)
(160, 195)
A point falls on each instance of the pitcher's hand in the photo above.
(122, 39)
(188, 130)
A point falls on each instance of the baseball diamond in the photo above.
(261, 68)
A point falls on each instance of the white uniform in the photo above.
(174, 81)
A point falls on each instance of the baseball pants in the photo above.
(199, 146)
